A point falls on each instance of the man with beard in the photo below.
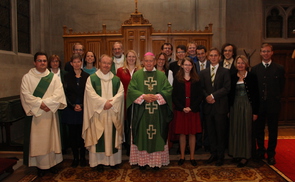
(118, 57)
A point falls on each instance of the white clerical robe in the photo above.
(45, 144)
(98, 121)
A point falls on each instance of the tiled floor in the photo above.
(285, 132)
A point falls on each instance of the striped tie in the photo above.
(212, 76)
(202, 66)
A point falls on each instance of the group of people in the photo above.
(209, 100)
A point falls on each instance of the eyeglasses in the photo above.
(167, 48)
(180, 52)
(39, 60)
(187, 65)
(78, 49)
(161, 59)
(265, 51)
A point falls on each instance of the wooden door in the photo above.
(287, 115)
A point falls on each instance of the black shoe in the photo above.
(100, 168)
(142, 168)
(156, 168)
(242, 163)
(41, 172)
(219, 162)
(271, 161)
(235, 160)
(83, 162)
(193, 162)
(181, 161)
(114, 167)
(211, 159)
(53, 170)
(75, 163)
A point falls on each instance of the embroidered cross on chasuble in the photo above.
(150, 84)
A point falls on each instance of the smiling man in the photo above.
(42, 95)
(216, 85)
(271, 82)
(118, 57)
(103, 116)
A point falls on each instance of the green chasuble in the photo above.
(96, 84)
(149, 121)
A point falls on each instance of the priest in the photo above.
(149, 106)
(103, 116)
(41, 96)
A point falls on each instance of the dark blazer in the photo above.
(174, 68)
(251, 85)
(178, 95)
(271, 83)
(74, 93)
(219, 91)
(198, 66)
(232, 69)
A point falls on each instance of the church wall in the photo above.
(244, 26)
(48, 17)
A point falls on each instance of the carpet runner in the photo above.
(255, 171)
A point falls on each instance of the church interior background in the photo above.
(28, 26)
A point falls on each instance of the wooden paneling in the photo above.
(283, 57)
(137, 34)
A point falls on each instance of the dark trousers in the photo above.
(272, 122)
(76, 140)
(216, 132)
(202, 138)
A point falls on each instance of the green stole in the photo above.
(150, 120)
(39, 92)
(96, 84)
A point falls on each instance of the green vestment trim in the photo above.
(96, 84)
(43, 85)
(38, 92)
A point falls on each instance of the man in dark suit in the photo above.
(201, 64)
(228, 56)
(271, 81)
(167, 48)
(216, 86)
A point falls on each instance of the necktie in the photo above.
(212, 76)
(226, 64)
(266, 65)
(202, 66)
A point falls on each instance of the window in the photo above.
(5, 25)
(280, 22)
(15, 26)
(23, 26)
